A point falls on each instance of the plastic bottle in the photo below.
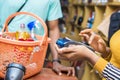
(22, 34)
(31, 26)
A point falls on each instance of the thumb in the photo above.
(58, 72)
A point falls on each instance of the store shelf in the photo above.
(101, 4)
(114, 4)
(102, 10)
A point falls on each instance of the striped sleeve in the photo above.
(111, 72)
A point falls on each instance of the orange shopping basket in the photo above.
(30, 54)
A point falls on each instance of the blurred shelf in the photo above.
(101, 10)
(114, 4)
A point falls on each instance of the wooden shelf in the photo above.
(99, 16)
(114, 4)
(101, 4)
(87, 11)
(102, 10)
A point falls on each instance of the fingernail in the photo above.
(60, 74)
(73, 75)
(89, 42)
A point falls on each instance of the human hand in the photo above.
(74, 52)
(94, 40)
(59, 68)
(77, 52)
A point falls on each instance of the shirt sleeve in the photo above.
(107, 70)
(111, 72)
(55, 11)
(100, 65)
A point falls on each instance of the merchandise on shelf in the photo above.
(90, 20)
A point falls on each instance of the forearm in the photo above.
(93, 58)
(54, 35)
(98, 62)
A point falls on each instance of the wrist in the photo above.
(92, 58)
(106, 53)
(56, 60)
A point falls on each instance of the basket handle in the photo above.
(5, 27)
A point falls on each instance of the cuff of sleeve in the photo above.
(108, 57)
(100, 65)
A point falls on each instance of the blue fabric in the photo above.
(48, 10)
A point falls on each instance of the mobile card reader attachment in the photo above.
(65, 42)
